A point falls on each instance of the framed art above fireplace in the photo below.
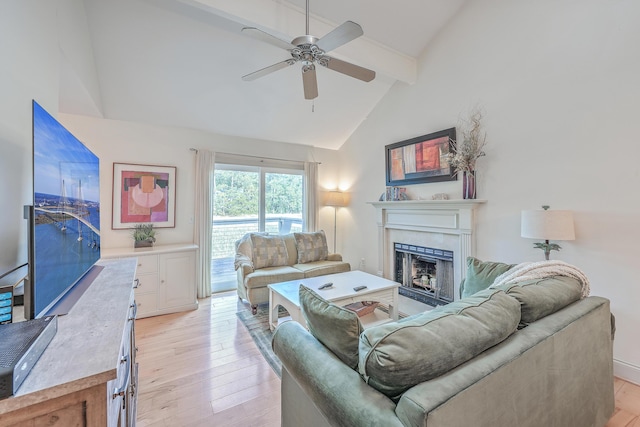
(421, 159)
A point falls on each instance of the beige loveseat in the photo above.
(265, 259)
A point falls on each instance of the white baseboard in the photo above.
(626, 371)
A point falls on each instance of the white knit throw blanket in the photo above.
(541, 270)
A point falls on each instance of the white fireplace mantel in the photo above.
(443, 224)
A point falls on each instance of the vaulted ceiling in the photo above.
(180, 62)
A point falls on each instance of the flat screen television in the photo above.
(64, 221)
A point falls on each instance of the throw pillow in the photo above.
(335, 327)
(480, 275)
(268, 251)
(311, 246)
(542, 297)
(396, 356)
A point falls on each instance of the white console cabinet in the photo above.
(165, 277)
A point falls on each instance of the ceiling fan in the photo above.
(310, 50)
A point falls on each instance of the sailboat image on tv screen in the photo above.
(79, 204)
(62, 203)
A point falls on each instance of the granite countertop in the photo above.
(84, 352)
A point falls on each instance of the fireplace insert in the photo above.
(426, 274)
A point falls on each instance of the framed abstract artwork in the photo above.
(143, 194)
(421, 159)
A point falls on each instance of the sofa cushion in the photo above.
(396, 356)
(311, 246)
(542, 297)
(268, 275)
(335, 327)
(480, 275)
(268, 251)
(320, 268)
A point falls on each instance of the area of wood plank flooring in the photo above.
(201, 368)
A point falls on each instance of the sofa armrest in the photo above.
(334, 257)
(244, 264)
(336, 390)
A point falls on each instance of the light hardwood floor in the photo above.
(201, 368)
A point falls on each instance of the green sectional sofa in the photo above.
(265, 259)
(480, 361)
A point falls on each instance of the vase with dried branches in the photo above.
(465, 153)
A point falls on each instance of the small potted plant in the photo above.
(144, 236)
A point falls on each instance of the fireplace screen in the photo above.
(426, 274)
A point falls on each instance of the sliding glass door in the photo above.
(251, 199)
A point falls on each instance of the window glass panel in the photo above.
(236, 205)
(283, 202)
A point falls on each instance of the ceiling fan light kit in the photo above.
(310, 50)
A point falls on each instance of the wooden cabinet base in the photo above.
(83, 408)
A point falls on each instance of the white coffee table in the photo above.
(379, 289)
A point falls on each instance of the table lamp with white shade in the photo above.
(547, 225)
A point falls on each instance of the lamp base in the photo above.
(335, 227)
(547, 248)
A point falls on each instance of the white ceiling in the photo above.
(179, 63)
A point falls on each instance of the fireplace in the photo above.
(445, 224)
(426, 274)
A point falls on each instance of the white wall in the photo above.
(558, 84)
(79, 86)
(30, 63)
(128, 142)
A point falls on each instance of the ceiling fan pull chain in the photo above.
(313, 106)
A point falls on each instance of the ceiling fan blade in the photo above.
(268, 70)
(340, 35)
(267, 38)
(348, 68)
(309, 81)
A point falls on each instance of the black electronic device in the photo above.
(359, 288)
(10, 288)
(6, 304)
(21, 345)
(326, 285)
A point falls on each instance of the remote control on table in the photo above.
(359, 288)
(326, 285)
